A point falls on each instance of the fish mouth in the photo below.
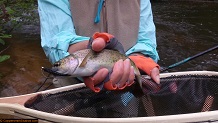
(53, 71)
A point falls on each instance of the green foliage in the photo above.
(13, 13)
(4, 57)
(2, 41)
(9, 10)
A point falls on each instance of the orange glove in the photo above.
(108, 80)
(110, 42)
(95, 84)
(104, 35)
(145, 64)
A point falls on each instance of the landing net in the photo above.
(178, 94)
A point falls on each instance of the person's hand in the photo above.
(147, 65)
(98, 44)
(122, 74)
(155, 75)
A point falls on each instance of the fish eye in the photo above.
(56, 64)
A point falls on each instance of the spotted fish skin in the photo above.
(86, 62)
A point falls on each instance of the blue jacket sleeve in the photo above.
(146, 42)
(57, 29)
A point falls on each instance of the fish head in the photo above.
(66, 65)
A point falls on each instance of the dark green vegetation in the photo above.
(14, 13)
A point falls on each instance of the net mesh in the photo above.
(179, 94)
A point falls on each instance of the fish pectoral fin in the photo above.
(84, 61)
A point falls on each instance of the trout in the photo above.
(86, 62)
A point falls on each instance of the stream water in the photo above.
(183, 30)
(21, 74)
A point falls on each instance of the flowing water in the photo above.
(22, 74)
(183, 30)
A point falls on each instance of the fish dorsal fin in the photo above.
(85, 59)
